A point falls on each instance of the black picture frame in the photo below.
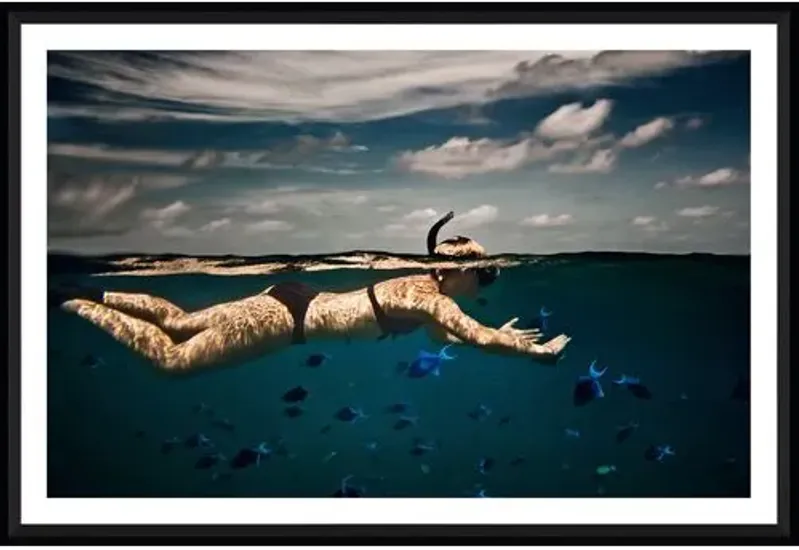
(16, 533)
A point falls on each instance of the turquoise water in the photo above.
(679, 323)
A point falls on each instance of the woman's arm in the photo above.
(445, 313)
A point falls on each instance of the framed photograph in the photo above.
(499, 274)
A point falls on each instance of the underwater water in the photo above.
(680, 324)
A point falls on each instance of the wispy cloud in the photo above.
(215, 225)
(547, 220)
(572, 121)
(268, 226)
(334, 86)
(481, 215)
(420, 215)
(650, 223)
(698, 211)
(717, 178)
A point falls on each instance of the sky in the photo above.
(305, 152)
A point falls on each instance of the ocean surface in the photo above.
(679, 323)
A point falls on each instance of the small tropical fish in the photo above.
(295, 395)
(223, 424)
(209, 460)
(293, 411)
(398, 408)
(198, 440)
(349, 491)
(350, 414)
(485, 464)
(573, 434)
(422, 447)
(504, 420)
(658, 453)
(326, 428)
(405, 422)
(480, 412)
(401, 367)
(249, 456)
(169, 444)
(429, 363)
(623, 433)
(605, 469)
(329, 456)
(543, 319)
(588, 387)
(317, 359)
(634, 386)
(518, 461)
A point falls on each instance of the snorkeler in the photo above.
(289, 313)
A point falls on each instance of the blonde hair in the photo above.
(460, 247)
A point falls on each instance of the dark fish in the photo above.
(224, 424)
(482, 301)
(588, 388)
(624, 432)
(504, 420)
(640, 391)
(208, 461)
(480, 412)
(398, 408)
(249, 456)
(293, 411)
(405, 422)
(295, 395)
(316, 359)
(657, 453)
(518, 461)
(198, 440)
(741, 390)
(422, 447)
(346, 490)
(91, 361)
(326, 428)
(401, 367)
(349, 414)
(485, 464)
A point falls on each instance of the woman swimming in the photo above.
(289, 313)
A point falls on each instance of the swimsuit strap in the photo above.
(389, 326)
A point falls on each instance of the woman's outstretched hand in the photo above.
(526, 336)
(554, 349)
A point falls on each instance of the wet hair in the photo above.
(459, 247)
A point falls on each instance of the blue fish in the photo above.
(658, 453)
(209, 460)
(588, 387)
(623, 433)
(406, 422)
(429, 363)
(422, 447)
(485, 464)
(250, 455)
(635, 386)
(574, 434)
(543, 319)
(198, 440)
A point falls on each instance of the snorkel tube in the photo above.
(432, 235)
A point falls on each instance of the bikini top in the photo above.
(391, 326)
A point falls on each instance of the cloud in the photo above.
(643, 220)
(572, 121)
(545, 220)
(561, 72)
(315, 201)
(483, 214)
(268, 226)
(336, 86)
(647, 132)
(420, 215)
(602, 161)
(215, 225)
(166, 214)
(288, 154)
(661, 185)
(694, 123)
(87, 205)
(698, 211)
(650, 224)
(717, 178)
(386, 208)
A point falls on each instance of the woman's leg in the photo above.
(226, 343)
